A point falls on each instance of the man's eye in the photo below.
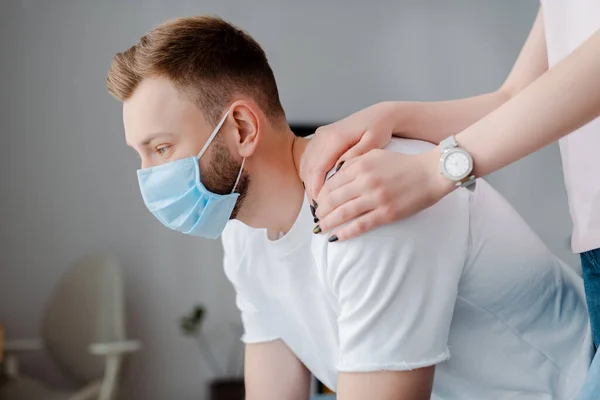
(162, 150)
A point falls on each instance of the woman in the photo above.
(536, 106)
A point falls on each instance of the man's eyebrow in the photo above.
(153, 136)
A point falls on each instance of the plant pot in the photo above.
(227, 389)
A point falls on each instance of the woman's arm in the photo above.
(560, 101)
(435, 121)
(373, 127)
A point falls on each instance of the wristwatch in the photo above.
(456, 164)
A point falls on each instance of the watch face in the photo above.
(457, 164)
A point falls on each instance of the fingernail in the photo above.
(333, 239)
(317, 229)
(315, 205)
(312, 210)
(316, 220)
(339, 166)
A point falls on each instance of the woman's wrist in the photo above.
(395, 113)
(399, 112)
(439, 184)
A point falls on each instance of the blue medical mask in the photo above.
(174, 193)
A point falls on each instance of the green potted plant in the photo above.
(227, 383)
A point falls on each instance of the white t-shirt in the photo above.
(466, 277)
(568, 24)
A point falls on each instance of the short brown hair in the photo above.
(205, 57)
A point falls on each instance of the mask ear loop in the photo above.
(212, 135)
(210, 139)
(237, 180)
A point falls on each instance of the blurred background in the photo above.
(68, 182)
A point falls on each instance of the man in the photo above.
(373, 317)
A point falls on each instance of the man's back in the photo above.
(466, 277)
(520, 314)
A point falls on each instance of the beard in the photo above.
(220, 177)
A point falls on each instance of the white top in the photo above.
(568, 24)
(466, 277)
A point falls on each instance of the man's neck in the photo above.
(276, 191)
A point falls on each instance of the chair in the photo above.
(83, 330)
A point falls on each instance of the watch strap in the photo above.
(469, 182)
(448, 143)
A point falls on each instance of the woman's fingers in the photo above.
(348, 138)
(324, 149)
(314, 166)
(366, 222)
(369, 141)
(314, 182)
(349, 191)
(345, 212)
(388, 187)
(342, 176)
(351, 181)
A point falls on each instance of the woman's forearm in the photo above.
(558, 102)
(435, 121)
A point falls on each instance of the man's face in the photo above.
(161, 125)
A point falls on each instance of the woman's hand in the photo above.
(352, 136)
(378, 188)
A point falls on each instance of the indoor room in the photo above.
(299, 200)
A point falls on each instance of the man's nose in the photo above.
(146, 163)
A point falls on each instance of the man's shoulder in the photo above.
(237, 238)
(237, 235)
(441, 232)
(451, 213)
(408, 146)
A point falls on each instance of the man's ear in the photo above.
(247, 123)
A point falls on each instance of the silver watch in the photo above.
(456, 164)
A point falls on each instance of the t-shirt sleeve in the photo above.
(396, 288)
(257, 326)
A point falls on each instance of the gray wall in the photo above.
(68, 180)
